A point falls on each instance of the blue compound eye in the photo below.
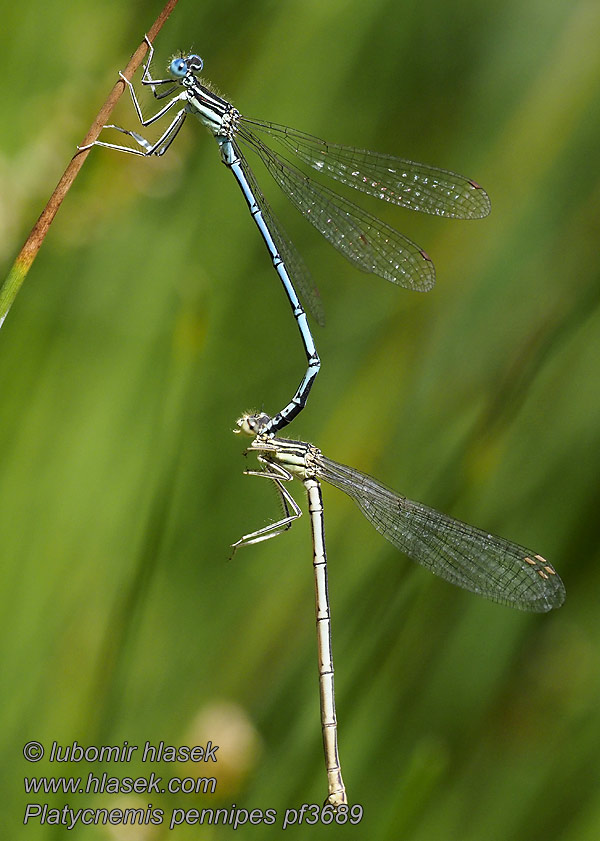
(195, 63)
(178, 67)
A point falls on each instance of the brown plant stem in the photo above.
(33, 243)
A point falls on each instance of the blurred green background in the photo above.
(152, 318)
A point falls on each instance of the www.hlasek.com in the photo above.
(39, 813)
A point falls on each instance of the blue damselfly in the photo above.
(367, 242)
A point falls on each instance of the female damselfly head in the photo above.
(181, 66)
(252, 424)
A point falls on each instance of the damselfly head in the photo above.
(252, 424)
(181, 66)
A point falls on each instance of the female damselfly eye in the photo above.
(178, 67)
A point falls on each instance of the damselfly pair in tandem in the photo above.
(467, 556)
(369, 243)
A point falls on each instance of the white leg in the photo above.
(291, 509)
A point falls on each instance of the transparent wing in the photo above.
(364, 240)
(464, 555)
(406, 183)
(296, 267)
